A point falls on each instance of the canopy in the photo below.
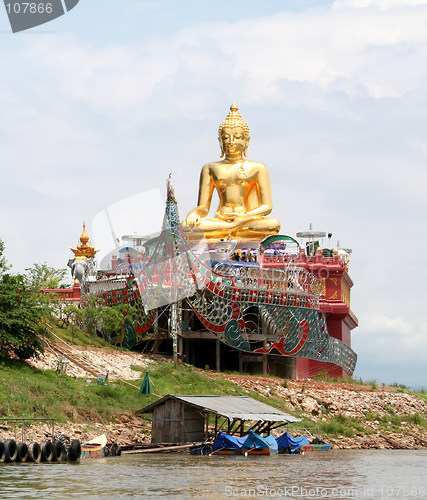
(146, 385)
(278, 237)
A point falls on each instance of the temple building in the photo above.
(231, 292)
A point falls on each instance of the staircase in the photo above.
(157, 341)
(77, 358)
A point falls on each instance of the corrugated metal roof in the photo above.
(231, 407)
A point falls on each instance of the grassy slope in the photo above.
(26, 392)
(74, 336)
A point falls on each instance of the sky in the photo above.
(101, 104)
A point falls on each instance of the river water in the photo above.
(364, 474)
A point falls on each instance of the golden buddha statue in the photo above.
(243, 188)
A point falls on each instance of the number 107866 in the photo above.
(29, 7)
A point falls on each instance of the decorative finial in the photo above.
(84, 237)
(170, 190)
(84, 249)
(234, 107)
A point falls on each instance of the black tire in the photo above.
(47, 451)
(116, 451)
(2, 453)
(34, 452)
(11, 450)
(74, 451)
(60, 453)
(22, 452)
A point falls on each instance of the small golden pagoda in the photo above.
(84, 249)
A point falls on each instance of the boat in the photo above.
(94, 448)
(288, 444)
(98, 448)
(251, 444)
(316, 447)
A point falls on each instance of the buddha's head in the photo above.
(233, 134)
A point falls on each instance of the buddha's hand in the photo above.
(193, 219)
(234, 217)
(225, 217)
(235, 220)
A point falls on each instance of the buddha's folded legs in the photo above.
(215, 229)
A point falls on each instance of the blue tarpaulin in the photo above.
(287, 442)
(249, 442)
(233, 263)
(224, 440)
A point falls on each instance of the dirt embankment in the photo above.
(317, 401)
(116, 363)
(85, 424)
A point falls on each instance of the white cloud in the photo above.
(346, 50)
(382, 4)
(393, 327)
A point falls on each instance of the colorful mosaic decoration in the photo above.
(285, 301)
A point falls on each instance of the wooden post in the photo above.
(218, 355)
(265, 364)
(207, 426)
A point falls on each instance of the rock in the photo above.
(311, 406)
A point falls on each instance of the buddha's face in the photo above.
(233, 141)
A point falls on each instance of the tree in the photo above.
(42, 276)
(3, 263)
(21, 311)
(98, 319)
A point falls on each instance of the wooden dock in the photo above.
(161, 448)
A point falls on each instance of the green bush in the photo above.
(340, 425)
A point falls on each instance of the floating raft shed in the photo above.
(180, 419)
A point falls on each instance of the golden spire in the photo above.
(84, 237)
(234, 119)
(84, 249)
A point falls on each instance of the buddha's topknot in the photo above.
(234, 119)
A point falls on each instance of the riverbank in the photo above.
(359, 416)
(352, 415)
